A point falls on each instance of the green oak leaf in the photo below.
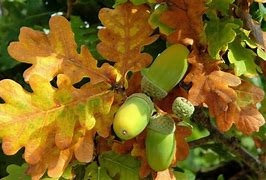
(124, 166)
(244, 35)
(95, 172)
(135, 2)
(221, 5)
(118, 2)
(155, 22)
(138, 2)
(220, 32)
(243, 59)
(261, 53)
(17, 172)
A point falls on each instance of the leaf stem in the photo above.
(232, 144)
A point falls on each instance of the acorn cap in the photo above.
(151, 89)
(162, 124)
(182, 108)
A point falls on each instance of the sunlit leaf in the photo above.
(56, 52)
(50, 118)
(243, 59)
(125, 33)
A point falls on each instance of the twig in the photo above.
(232, 144)
(201, 141)
(69, 8)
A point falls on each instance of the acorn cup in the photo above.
(166, 71)
(182, 108)
(160, 142)
(133, 116)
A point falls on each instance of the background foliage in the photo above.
(226, 74)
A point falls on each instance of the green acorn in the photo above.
(165, 72)
(182, 108)
(133, 116)
(160, 142)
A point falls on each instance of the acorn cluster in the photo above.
(138, 110)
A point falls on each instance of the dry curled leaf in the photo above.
(56, 52)
(126, 31)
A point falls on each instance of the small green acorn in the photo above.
(182, 108)
(160, 142)
(165, 72)
(133, 116)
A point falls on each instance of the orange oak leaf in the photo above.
(57, 160)
(126, 30)
(139, 152)
(50, 118)
(228, 101)
(56, 52)
(182, 147)
(247, 117)
(123, 147)
(185, 16)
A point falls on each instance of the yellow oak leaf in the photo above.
(56, 52)
(185, 16)
(56, 160)
(126, 31)
(50, 120)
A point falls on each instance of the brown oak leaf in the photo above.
(229, 100)
(185, 16)
(182, 147)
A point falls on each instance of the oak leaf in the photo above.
(53, 121)
(166, 174)
(126, 31)
(185, 16)
(182, 147)
(229, 100)
(56, 52)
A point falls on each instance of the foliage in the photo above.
(68, 65)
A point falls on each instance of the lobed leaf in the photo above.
(94, 172)
(54, 121)
(219, 33)
(123, 166)
(229, 100)
(220, 5)
(126, 31)
(16, 172)
(185, 17)
(56, 52)
(243, 59)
